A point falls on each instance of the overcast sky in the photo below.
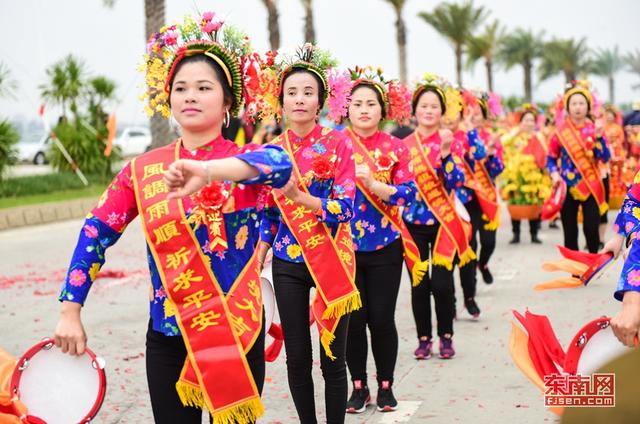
(358, 32)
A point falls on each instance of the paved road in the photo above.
(481, 385)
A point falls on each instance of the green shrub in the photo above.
(42, 184)
(8, 137)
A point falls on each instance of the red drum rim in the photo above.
(580, 340)
(48, 343)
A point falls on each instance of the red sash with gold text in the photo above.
(216, 330)
(452, 236)
(392, 213)
(487, 199)
(591, 182)
(331, 262)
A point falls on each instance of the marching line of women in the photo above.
(340, 210)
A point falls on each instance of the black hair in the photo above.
(443, 106)
(370, 86)
(227, 92)
(525, 113)
(295, 70)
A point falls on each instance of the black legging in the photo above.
(165, 358)
(590, 223)
(292, 282)
(534, 226)
(487, 237)
(604, 218)
(440, 283)
(378, 276)
(468, 278)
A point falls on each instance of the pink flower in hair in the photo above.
(340, 94)
(208, 16)
(212, 26)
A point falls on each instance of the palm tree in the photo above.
(568, 56)
(607, 63)
(456, 22)
(272, 23)
(522, 47)
(485, 46)
(8, 85)
(100, 90)
(633, 60)
(309, 29)
(401, 37)
(65, 85)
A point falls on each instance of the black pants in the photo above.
(468, 277)
(292, 282)
(534, 227)
(487, 237)
(440, 284)
(591, 222)
(165, 358)
(378, 276)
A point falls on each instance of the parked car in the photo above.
(33, 148)
(133, 141)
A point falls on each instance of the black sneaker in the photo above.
(515, 239)
(386, 401)
(486, 274)
(359, 399)
(472, 307)
(535, 240)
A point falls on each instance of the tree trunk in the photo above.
(569, 75)
(154, 19)
(309, 29)
(489, 66)
(528, 95)
(401, 38)
(612, 91)
(272, 24)
(459, 64)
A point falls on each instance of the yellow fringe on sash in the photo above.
(326, 338)
(603, 208)
(190, 395)
(418, 272)
(342, 307)
(439, 260)
(491, 225)
(243, 413)
(466, 257)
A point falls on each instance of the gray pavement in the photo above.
(480, 385)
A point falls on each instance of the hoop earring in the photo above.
(227, 119)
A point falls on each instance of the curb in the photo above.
(45, 213)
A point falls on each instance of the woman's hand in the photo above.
(626, 324)
(184, 177)
(614, 245)
(446, 139)
(290, 189)
(69, 334)
(364, 174)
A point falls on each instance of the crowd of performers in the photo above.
(343, 209)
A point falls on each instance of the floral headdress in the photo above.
(448, 93)
(527, 108)
(195, 35)
(489, 102)
(396, 97)
(577, 87)
(336, 84)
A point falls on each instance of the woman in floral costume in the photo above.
(385, 182)
(438, 231)
(200, 247)
(307, 226)
(525, 180)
